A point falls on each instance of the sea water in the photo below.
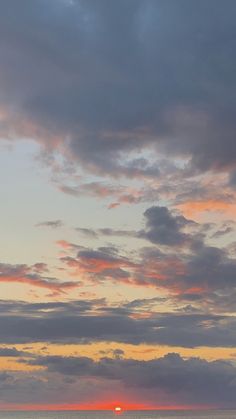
(174, 414)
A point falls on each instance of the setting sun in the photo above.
(118, 409)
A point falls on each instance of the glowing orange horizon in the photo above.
(101, 406)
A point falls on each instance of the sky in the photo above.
(118, 187)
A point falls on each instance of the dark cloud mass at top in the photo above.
(108, 77)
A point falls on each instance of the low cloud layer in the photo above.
(98, 321)
(184, 382)
(188, 381)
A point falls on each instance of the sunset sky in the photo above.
(118, 204)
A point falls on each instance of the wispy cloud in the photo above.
(52, 224)
(24, 274)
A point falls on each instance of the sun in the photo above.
(117, 409)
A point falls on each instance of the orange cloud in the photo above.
(106, 267)
(24, 274)
(191, 209)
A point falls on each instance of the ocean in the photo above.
(174, 414)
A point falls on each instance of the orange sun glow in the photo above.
(118, 409)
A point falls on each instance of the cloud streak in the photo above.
(30, 275)
(96, 321)
(53, 224)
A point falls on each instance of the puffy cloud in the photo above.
(164, 228)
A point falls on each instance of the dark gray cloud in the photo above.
(96, 321)
(3, 377)
(12, 353)
(193, 380)
(232, 180)
(171, 379)
(211, 266)
(204, 274)
(21, 388)
(162, 227)
(121, 76)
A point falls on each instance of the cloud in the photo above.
(164, 228)
(110, 232)
(186, 381)
(159, 382)
(102, 190)
(31, 275)
(89, 232)
(13, 353)
(3, 377)
(183, 262)
(225, 230)
(97, 321)
(52, 224)
(99, 264)
(73, 82)
(202, 275)
(193, 208)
